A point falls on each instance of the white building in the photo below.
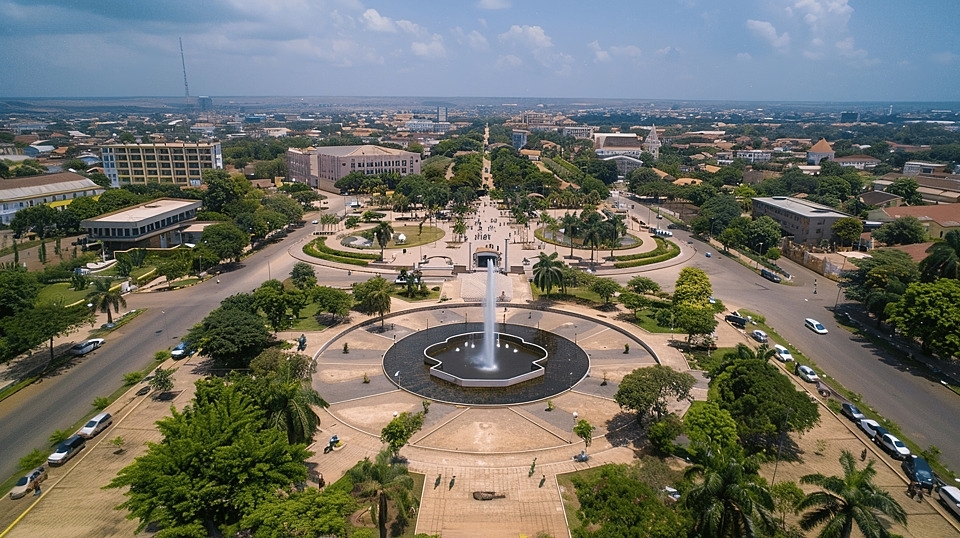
(322, 167)
(155, 224)
(610, 144)
(182, 163)
(55, 190)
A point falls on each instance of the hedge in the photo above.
(318, 249)
(664, 251)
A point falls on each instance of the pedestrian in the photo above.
(218, 281)
(36, 492)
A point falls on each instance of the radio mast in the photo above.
(186, 88)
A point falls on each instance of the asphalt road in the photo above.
(925, 410)
(64, 397)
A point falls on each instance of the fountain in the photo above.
(503, 359)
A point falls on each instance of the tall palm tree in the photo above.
(290, 401)
(848, 500)
(383, 233)
(104, 298)
(593, 232)
(380, 479)
(614, 229)
(548, 272)
(944, 259)
(571, 228)
(730, 499)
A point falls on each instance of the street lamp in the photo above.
(759, 254)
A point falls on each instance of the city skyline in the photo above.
(803, 50)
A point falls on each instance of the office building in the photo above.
(807, 222)
(155, 224)
(441, 114)
(322, 167)
(519, 138)
(181, 163)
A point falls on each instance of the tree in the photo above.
(943, 260)
(694, 320)
(930, 312)
(383, 233)
(761, 400)
(692, 288)
(903, 231)
(373, 297)
(906, 188)
(230, 336)
(633, 301)
(643, 285)
(763, 232)
(732, 237)
(311, 512)
(162, 380)
(615, 503)
(548, 272)
(216, 463)
(332, 300)
(225, 240)
(399, 430)
(571, 228)
(730, 500)
(710, 427)
(605, 288)
(19, 289)
(222, 190)
(272, 301)
(786, 496)
(584, 430)
(303, 276)
(847, 501)
(286, 396)
(105, 297)
(382, 480)
(880, 280)
(847, 229)
(645, 390)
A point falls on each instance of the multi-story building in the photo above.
(610, 144)
(441, 114)
(182, 163)
(155, 224)
(322, 167)
(55, 190)
(917, 168)
(578, 131)
(519, 138)
(652, 143)
(807, 222)
(860, 162)
(753, 155)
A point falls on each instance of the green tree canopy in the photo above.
(847, 230)
(646, 390)
(692, 288)
(303, 276)
(311, 512)
(231, 337)
(930, 312)
(710, 426)
(215, 464)
(399, 430)
(730, 499)
(225, 240)
(605, 288)
(906, 188)
(373, 297)
(548, 272)
(903, 231)
(943, 260)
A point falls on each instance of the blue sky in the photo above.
(809, 50)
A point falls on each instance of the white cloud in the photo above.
(377, 22)
(408, 26)
(744, 57)
(509, 61)
(846, 48)
(532, 36)
(493, 4)
(944, 58)
(766, 31)
(628, 51)
(599, 55)
(823, 15)
(475, 40)
(433, 49)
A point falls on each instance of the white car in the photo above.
(815, 326)
(950, 497)
(85, 347)
(894, 446)
(872, 428)
(806, 373)
(759, 336)
(783, 354)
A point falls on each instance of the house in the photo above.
(56, 190)
(860, 162)
(820, 151)
(880, 199)
(937, 219)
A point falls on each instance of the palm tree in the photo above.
(383, 233)
(382, 480)
(730, 499)
(848, 500)
(290, 401)
(571, 228)
(944, 259)
(614, 229)
(548, 272)
(104, 298)
(593, 232)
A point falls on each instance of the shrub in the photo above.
(663, 433)
(35, 458)
(100, 403)
(59, 436)
(132, 378)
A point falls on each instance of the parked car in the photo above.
(806, 373)
(950, 497)
(736, 321)
(893, 446)
(918, 471)
(759, 336)
(814, 326)
(707, 254)
(182, 350)
(96, 425)
(28, 482)
(783, 354)
(770, 275)
(851, 412)
(67, 450)
(872, 428)
(86, 346)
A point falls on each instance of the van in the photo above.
(85, 347)
(770, 275)
(96, 425)
(67, 450)
(736, 321)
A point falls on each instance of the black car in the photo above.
(770, 275)
(851, 412)
(918, 471)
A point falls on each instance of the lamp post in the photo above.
(759, 254)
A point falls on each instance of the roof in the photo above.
(687, 181)
(946, 215)
(801, 207)
(916, 251)
(821, 147)
(45, 185)
(856, 159)
(145, 211)
(877, 197)
(620, 142)
(359, 151)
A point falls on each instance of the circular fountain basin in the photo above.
(460, 360)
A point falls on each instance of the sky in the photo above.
(764, 50)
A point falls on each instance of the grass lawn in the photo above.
(307, 320)
(583, 294)
(646, 319)
(401, 293)
(414, 237)
(61, 291)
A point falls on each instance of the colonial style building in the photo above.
(55, 190)
(820, 151)
(322, 167)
